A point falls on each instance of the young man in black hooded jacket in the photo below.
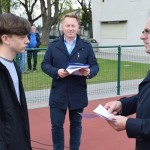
(14, 121)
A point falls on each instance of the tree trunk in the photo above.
(47, 19)
(45, 32)
(45, 36)
(8, 6)
(91, 31)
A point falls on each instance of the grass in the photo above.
(108, 73)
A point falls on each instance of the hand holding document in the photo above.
(73, 68)
(100, 111)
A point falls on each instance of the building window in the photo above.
(114, 29)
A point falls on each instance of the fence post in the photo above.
(119, 68)
(18, 58)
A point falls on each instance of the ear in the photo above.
(5, 39)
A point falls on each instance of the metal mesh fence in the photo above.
(120, 70)
(120, 74)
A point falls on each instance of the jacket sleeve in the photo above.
(47, 64)
(138, 128)
(2, 143)
(135, 127)
(92, 61)
(129, 105)
(38, 40)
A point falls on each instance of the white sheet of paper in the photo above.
(101, 111)
(71, 71)
(75, 67)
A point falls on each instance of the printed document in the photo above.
(73, 68)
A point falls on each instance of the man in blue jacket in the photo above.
(68, 91)
(139, 127)
(34, 39)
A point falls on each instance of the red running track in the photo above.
(96, 135)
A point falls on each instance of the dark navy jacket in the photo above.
(139, 128)
(70, 91)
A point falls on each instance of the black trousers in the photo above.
(31, 54)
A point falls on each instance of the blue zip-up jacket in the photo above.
(34, 39)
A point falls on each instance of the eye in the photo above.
(147, 30)
(67, 26)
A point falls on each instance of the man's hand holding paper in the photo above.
(62, 73)
(85, 71)
(119, 122)
(78, 69)
(113, 107)
(102, 112)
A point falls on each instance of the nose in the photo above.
(26, 40)
(70, 27)
(142, 37)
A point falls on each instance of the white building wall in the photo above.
(135, 12)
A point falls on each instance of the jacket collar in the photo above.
(2, 67)
(61, 46)
(146, 79)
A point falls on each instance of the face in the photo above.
(70, 27)
(146, 36)
(33, 29)
(17, 44)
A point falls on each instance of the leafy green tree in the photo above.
(51, 18)
(50, 14)
(30, 7)
(86, 20)
(5, 6)
(50, 11)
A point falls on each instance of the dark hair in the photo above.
(13, 24)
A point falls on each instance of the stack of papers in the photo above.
(73, 68)
(100, 111)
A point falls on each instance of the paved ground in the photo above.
(97, 134)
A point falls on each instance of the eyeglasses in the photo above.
(146, 32)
